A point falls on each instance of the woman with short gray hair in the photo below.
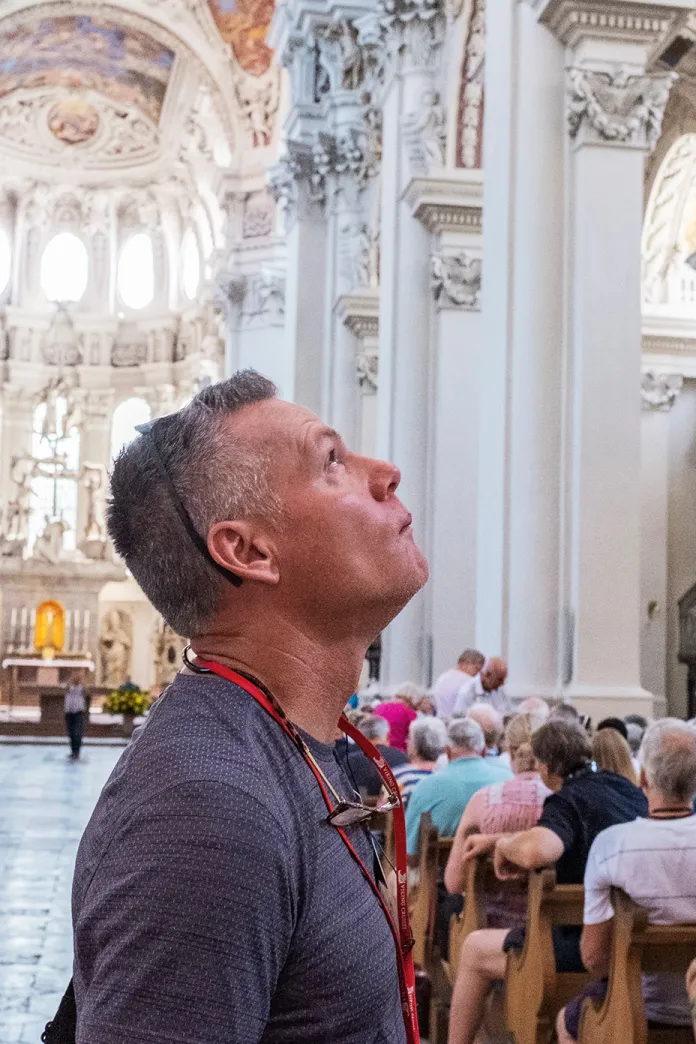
(427, 739)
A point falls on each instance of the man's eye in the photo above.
(333, 458)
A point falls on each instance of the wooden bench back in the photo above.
(534, 990)
(480, 883)
(637, 947)
(433, 853)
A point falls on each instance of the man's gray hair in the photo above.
(466, 734)
(217, 475)
(429, 738)
(668, 756)
(374, 727)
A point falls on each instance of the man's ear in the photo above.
(245, 549)
(642, 779)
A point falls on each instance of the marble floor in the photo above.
(45, 802)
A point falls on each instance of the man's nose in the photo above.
(384, 479)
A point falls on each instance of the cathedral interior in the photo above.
(191, 187)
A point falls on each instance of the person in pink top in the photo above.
(399, 713)
(501, 808)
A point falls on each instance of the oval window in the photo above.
(126, 415)
(190, 264)
(136, 271)
(64, 268)
(5, 260)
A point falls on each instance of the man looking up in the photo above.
(212, 899)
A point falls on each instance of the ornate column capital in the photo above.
(456, 280)
(616, 106)
(659, 391)
(414, 31)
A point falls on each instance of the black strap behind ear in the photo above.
(148, 431)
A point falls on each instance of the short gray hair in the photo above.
(374, 727)
(429, 738)
(466, 734)
(668, 756)
(216, 474)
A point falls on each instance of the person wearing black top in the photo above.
(360, 769)
(582, 804)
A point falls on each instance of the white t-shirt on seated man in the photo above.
(653, 860)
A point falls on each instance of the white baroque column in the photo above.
(297, 184)
(659, 392)
(614, 116)
(449, 205)
(521, 374)
(412, 142)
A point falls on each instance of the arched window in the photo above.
(190, 264)
(5, 260)
(136, 271)
(64, 268)
(56, 445)
(126, 415)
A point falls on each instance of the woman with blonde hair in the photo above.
(611, 753)
(501, 808)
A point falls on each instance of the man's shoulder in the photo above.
(203, 731)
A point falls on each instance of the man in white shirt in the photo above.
(652, 860)
(447, 686)
(486, 687)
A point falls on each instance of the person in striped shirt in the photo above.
(427, 738)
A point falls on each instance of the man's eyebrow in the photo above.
(327, 433)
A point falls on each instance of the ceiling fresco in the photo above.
(243, 24)
(85, 53)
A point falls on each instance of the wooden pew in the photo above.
(433, 853)
(534, 991)
(480, 882)
(637, 946)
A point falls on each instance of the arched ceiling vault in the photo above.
(129, 86)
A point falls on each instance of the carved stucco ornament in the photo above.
(456, 280)
(617, 106)
(659, 391)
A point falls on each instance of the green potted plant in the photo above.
(130, 701)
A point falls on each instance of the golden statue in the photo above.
(50, 629)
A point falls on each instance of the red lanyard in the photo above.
(401, 931)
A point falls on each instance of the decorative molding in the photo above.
(456, 280)
(659, 391)
(451, 202)
(259, 297)
(414, 32)
(258, 218)
(359, 311)
(367, 369)
(258, 102)
(471, 92)
(616, 107)
(425, 134)
(574, 20)
(667, 345)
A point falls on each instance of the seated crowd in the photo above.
(534, 789)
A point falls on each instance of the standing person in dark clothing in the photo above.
(215, 898)
(582, 804)
(75, 707)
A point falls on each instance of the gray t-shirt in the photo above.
(213, 903)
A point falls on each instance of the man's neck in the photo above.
(460, 755)
(311, 681)
(659, 803)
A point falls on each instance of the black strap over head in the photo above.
(148, 429)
